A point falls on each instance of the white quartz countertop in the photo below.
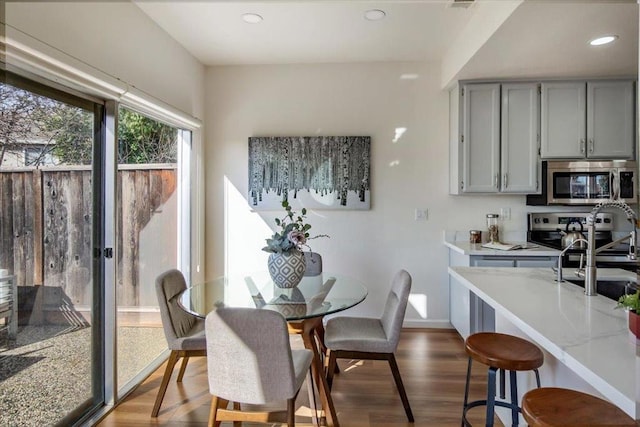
(585, 333)
(466, 248)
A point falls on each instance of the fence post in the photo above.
(38, 226)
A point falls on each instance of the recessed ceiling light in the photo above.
(374, 15)
(251, 18)
(603, 40)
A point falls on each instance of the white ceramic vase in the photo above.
(287, 268)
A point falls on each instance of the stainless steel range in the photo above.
(548, 228)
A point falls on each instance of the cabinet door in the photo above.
(481, 138)
(610, 112)
(520, 162)
(563, 121)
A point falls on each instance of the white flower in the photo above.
(297, 238)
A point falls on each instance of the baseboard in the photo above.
(435, 324)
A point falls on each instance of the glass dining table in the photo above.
(303, 307)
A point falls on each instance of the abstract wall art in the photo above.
(319, 172)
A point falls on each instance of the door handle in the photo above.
(582, 146)
(591, 145)
(497, 177)
(614, 191)
(504, 180)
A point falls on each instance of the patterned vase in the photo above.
(287, 268)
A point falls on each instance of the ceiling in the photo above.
(540, 38)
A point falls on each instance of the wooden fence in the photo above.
(46, 227)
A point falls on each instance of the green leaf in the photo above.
(278, 221)
(304, 211)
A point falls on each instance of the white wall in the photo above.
(346, 99)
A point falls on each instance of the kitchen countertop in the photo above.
(466, 248)
(585, 333)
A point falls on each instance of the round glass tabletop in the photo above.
(315, 295)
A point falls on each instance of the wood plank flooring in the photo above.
(432, 362)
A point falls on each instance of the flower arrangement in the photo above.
(294, 232)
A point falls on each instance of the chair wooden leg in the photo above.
(173, 358)
(291, 412)
(331, 369)
(237, 407)
(183, 367)
(327, 356)
(213, 412)
(398, 379)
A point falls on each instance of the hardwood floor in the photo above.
(432, 363)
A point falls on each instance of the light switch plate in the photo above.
(505, 213)
(422, 214)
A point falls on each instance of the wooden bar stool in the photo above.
(505, 353)
(550, 406)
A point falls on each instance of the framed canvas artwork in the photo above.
(318, 172)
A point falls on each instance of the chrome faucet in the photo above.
(560, 279)
(591, 273)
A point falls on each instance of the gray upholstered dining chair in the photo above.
(184, 332)
(249, 360)
(372, 338)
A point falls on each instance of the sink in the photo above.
(612, 289)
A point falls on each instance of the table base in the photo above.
(309, 329)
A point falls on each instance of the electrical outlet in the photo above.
(422, 214)
(505, 213)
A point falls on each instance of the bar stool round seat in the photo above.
(550, 406)
(504, 353)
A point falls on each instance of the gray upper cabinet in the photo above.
(520, 126)
(587, 120)
(610, 119)
(481, 138)
(563, 122)
(495, 146)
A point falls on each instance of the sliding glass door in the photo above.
(47, 229)
(150, 234)
(94, 205)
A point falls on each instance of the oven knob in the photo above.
(536, 221)
(545, 220)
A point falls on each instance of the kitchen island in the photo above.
(586, 342)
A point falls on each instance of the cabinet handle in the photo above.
(591, 145)
(497, 177)
(504, 180)
(582, 146)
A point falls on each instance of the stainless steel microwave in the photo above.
(589, 183)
